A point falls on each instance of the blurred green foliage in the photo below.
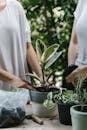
(51, 21)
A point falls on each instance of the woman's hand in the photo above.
(14, 80)
(17, 82)
(27, 86)
(73, 77)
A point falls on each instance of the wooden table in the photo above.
(48, 124)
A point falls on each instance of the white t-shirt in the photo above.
(14, 34)
(81, 31)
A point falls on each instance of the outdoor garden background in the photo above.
(51, 21)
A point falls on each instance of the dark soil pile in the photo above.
(11, 117)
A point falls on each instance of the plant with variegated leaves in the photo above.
(47, 56)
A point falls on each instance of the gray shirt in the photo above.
(81, 31)
(14, 34)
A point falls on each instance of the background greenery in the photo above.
(51, 21)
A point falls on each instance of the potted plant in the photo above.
(79, 112)
(66, 99)
(47, 56)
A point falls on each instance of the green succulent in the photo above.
(78, 96)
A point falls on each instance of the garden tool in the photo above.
(35, 119)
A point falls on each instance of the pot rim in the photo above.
(42, 92)
(74, 111)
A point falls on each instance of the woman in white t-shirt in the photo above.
(15, 46)
(77, 52)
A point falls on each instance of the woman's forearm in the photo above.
(13, 80)
(72, 53)
(33, 60)
(5, 76)
(73, 47)
(10, 78)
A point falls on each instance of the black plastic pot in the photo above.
(64, 113)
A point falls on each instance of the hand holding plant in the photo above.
(73, 77)
(78, 96)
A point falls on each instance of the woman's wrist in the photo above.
(71, 65)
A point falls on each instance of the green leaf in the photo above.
(32, 75)
(49, 104)
(50, 96)
(40, 48)
(49, 52)
(52, 59)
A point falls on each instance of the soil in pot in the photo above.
(47, 89)
(81, 108)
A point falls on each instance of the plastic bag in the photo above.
(12, 107)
